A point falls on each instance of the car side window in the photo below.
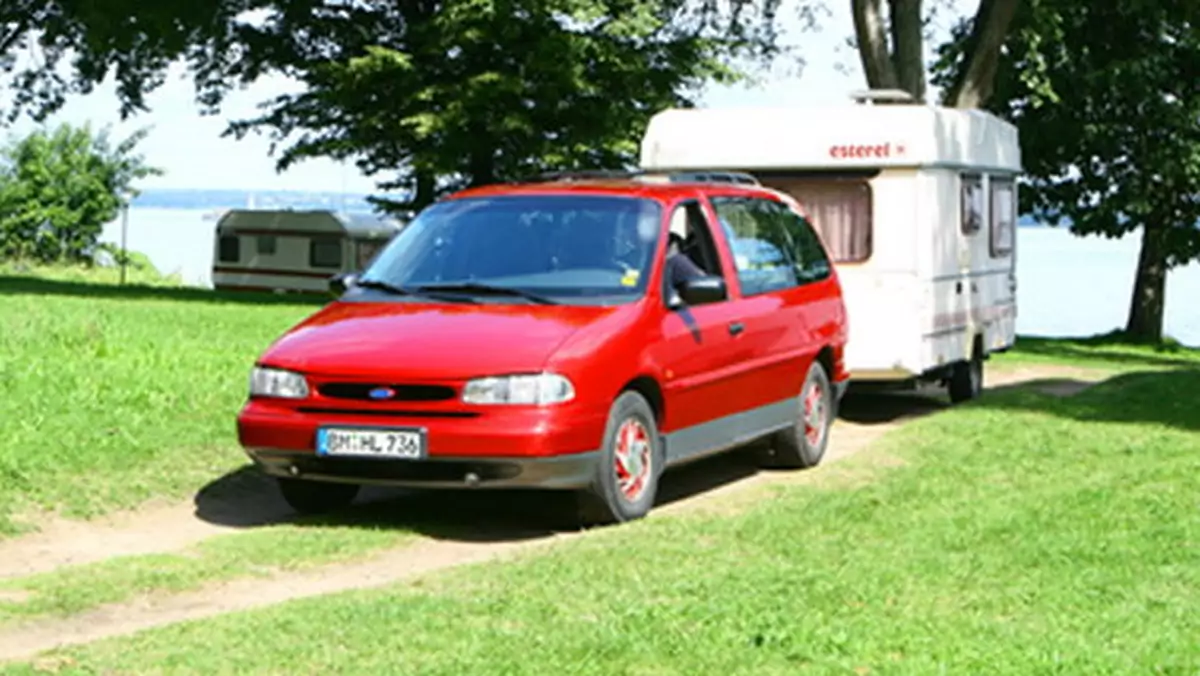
(692, 234)
(773, 246)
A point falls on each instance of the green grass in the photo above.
(1023, 534)
(261, 552)
(115, 395)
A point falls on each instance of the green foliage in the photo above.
(58, 188)
(427, 94)
(1104, 96)
(130, 41)
(441, 95)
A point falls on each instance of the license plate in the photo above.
(371, 443)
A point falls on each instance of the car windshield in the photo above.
(556, 248)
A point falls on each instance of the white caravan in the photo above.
(917, 205)
(285, 250)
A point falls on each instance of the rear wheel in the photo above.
(966, 378)
(316, 497)
(631, 461)
(803, 444)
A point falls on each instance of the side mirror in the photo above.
(342, 282)
(702, 290)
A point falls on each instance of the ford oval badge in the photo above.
(382, 393)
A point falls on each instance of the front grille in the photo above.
(363, 391)
(388, 412)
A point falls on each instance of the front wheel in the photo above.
(631, 461)
(803, 444)
(316, 497)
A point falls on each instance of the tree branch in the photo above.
(870, 32)
(974, 82)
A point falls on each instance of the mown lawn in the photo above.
(116, 395)
(1021, 534)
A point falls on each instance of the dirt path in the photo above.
(481, 533)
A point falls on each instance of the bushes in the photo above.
(58, 188)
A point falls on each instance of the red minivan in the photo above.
(582, 333)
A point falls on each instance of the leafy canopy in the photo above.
(1105, 98)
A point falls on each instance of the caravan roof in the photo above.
(829, 137)
(317, 221)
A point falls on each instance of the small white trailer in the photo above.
(917, 205)
(293, 251)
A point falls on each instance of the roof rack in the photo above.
(737, 177)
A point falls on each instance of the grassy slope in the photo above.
(117, 395)
(1024, 534)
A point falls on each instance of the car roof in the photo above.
(659, 187)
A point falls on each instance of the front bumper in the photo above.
(556, 472)
(526, 447)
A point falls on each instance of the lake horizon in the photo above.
(1067, 286)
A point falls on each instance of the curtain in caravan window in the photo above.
(840, 210)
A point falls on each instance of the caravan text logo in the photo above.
(881, 150)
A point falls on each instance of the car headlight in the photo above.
(537, 388)
(269, 382)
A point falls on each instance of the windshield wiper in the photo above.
(383, 286)
(476, 288)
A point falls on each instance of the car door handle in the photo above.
(736, 328)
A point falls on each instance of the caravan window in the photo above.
(971, 204)
(774, 248)
(840, 209)
(325, 252)
(266, 245)
(1003, 216)
(229, 249)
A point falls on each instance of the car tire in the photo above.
(316, 497)
(966, 378)
(631, 461)
(802, 445)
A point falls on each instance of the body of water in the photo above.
(1067, 285)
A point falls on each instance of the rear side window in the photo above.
(774, 247)
(1003, 216)
(841, 211)
(325, 252)
(229, 249)
(971, 204)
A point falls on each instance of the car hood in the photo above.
(428, 342)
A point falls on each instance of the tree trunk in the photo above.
(907, 43)
(426, 189)
(869, 30)
(975, 80)
(1149, 289)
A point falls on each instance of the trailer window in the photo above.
(325, 252)
(971, 204)
(265, 244)
(774, 247)
(840, 210)
(1003, 216)
(229, 249)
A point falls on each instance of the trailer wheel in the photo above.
(966, 378)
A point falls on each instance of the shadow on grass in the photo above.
(34, 286)
(1166, 398)
(246, 498)
(1109, 348)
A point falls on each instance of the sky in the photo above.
(189, 147)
